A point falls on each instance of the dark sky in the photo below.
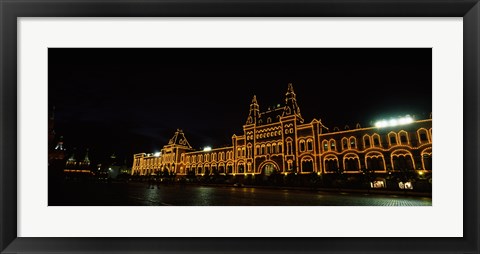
(132, 100)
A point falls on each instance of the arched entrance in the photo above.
(307, 164)
(268, 168)
(402, 160)
(427, 159)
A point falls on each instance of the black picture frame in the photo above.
(12, 9)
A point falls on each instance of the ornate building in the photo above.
(279, 140)
(78, 166)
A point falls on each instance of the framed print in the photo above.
(227, 126)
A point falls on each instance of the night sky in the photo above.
(126, 101)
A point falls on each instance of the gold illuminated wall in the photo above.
(278, 140)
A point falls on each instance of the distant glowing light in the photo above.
(207, 148)
(157, 154)
(394, 122)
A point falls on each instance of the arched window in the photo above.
(263, 150)
(269, 149)
(309, 145)
(353, 142)
(422, 135)
(258, 149)
(332, 144)
(344, 143)
(249, 151)
(404, 140)
(269, 120)
(279, 147)
(274, 148)
(207, 157)
(325, 145)
(392, 138)
(376, 140)
(302, 145)
(214, 157)
(289, 147)
(366, 141)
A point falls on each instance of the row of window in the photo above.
(167, 158)
(400, 138)
(376, 163)
(207, 157)
(401, 161)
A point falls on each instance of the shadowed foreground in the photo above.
(141, 194)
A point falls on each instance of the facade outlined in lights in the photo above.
(279, 140)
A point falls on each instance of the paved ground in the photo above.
(139, 194)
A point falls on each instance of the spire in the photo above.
(291, 107)
(290, 89)
(254, 112)
(72, 156)
(254, 100)
(86, 159)
(59, 146)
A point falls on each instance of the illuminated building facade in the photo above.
(78, 166)
(279, 140)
